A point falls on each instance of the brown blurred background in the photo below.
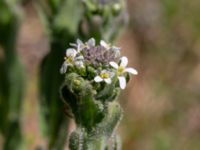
(161, 104)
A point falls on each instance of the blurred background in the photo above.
(161, 104)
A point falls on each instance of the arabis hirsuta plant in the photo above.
(94, 74)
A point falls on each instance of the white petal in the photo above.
(114, 64)
(73, 44)
(79, 42)
(80, 45)
(122, 82)
(131, 70)
(91, 42)
(124, 61)
(71, 52)
(80, 58)
(104, 44)
(63, 69)
(108, 80)
(98, 79)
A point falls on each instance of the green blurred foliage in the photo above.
(11, 76)
(61, 30)
(167, 34)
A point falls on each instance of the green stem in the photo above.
(97, 144)
(96, 119)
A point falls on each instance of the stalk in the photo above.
(96, 120)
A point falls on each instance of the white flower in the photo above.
(121, 70)
(104, 76)
(79, 45)
(71, 59)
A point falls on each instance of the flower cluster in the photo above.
(103, 59)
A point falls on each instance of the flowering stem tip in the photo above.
(94, 75)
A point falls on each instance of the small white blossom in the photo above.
(79, 45)
(121, 70)
(70, 52)
(71, 59)
(104, 76)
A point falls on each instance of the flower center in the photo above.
(69, 59)
(105, 75)
(121, 70)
